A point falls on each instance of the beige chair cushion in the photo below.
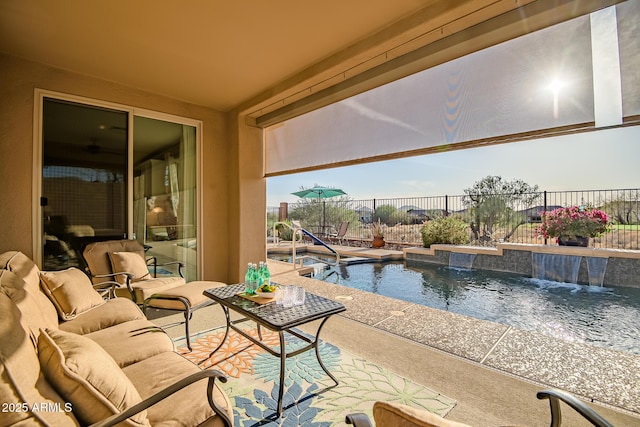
(28, 295)
(38, 312)
(129, 262)
(145, 288)
(23, 266)
(21, 382)
(398, 415)
(186, 407)
(84, 374)
(132, 341)
(113, 312)
(70, 291)
(192, 293)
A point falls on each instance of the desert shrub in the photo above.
(445, 230)
(285, 233)
(399, 217)
(384, 213)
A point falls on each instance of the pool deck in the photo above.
(493, 371)
(596, 374)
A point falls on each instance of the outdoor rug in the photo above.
(310, 397)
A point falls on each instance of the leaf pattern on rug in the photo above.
(296, 404)
(363, 383)
(310, 396)
(303, 367)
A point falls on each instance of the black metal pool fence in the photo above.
(491, 218)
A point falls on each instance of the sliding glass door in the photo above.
(97, 185)
(84, 179)
(164, 190)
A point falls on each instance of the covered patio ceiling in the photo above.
(214, 53)
(264, 58)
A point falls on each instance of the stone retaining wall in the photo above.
(622, 269)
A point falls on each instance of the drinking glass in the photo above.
(280, 295)
(288, 296)
(299, 295)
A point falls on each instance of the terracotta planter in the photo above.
(578, 241)
(378, 242)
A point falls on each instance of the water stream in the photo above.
(461, 260)
(597, 268)
(559, 268)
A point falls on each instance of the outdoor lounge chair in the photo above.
(393, 414)
(338, 236)
(124, 261)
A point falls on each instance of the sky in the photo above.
(605, 159)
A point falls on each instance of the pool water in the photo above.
(605, 316)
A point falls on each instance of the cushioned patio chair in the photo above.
(393, 414)
(125, 262)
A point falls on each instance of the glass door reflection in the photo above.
(84, 179)
(164, 199)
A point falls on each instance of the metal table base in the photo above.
(278, 319)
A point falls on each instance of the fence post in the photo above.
(544, 204)
(446, 205)
(283, 212)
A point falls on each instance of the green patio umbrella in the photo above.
(318, 192)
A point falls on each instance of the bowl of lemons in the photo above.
(266, 291)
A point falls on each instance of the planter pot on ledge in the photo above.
(578, 241)
(378, 242)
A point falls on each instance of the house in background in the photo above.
(222, 72)
(365, 214)
(534, 214)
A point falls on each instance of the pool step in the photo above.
(319, 268)
(309, 270)
(356, 260)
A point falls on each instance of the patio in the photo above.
(479, 364)
(232, 104)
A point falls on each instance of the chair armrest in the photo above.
(555, 396)
(153, 261)
(178, 263)
(128, 278)
(212, 375)
(107, 288)
(358, 420)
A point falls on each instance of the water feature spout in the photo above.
(559, 268)
(461, 260)
(596, 267)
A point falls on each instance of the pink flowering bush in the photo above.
(573, 222)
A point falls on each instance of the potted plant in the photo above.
(378, 234)
(573, 225)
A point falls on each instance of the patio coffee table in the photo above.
(277, 318)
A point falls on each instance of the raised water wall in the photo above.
(622, 267)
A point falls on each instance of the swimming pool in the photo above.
(605, 316)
